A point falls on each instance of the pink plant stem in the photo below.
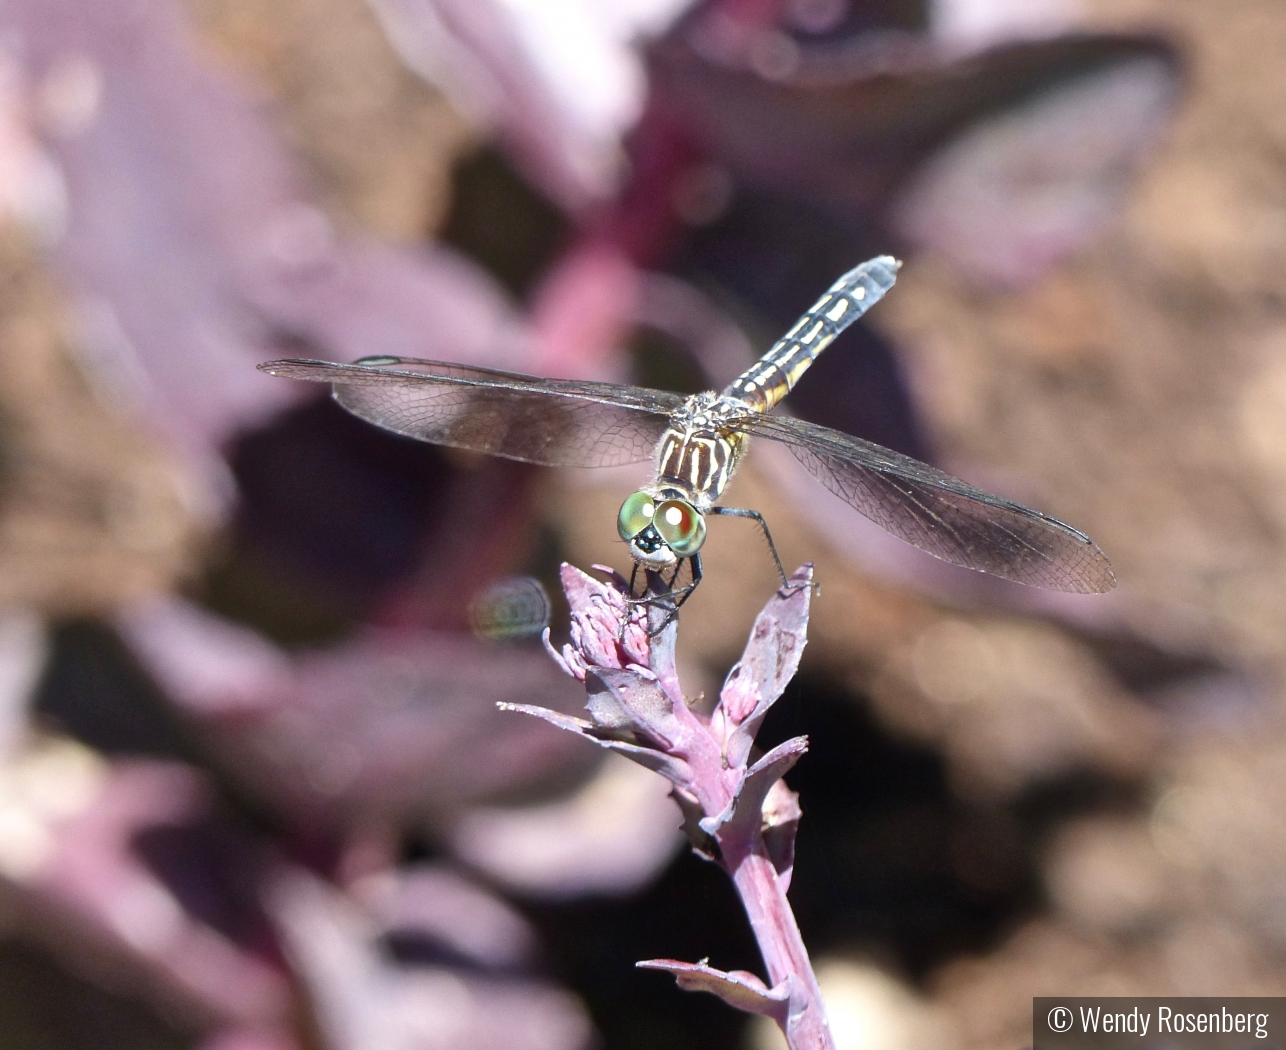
(780, 943)
(736, 812)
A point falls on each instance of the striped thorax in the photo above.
(698, 454)
(695, 460)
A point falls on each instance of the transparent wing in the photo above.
(940, 514)
(553, 422)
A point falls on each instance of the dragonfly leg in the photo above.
(758, 519)
(674, 577)
(672, 599)
(677, 597)
(685, 592)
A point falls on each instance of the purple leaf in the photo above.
(474, 52)
(846, 123)
(361, 999)
(1064, 159)
(781, 816)
(431, 901)
(194, 243)
(397, 723)
(767, 665)
(635, 699)
(83, 881)
(613, 836)
(737, 988)
(747, 805)
(690, 806)
(249, 1039)
(554, 718)
(671, 767)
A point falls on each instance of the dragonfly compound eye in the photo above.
(680, 526)
(635, 516)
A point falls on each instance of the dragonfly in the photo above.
(697, 442)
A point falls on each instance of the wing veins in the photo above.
(657, 402)
(506, 414)
(963, 524)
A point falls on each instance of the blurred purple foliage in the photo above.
(763, 158)
(191, 231)
(462, 994)
(384, 727)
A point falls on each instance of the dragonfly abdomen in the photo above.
(775, 374)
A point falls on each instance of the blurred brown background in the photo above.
(254, 793)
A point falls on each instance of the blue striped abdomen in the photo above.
(775, 374)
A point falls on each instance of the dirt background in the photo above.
(1141, 391)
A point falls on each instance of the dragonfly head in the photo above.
(660, 529)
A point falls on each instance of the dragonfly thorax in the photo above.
(664, 523)
(699, 452)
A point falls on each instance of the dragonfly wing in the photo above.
(553, 422)
(941, 514)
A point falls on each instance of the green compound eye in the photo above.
(679, 524)
(635, 516)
